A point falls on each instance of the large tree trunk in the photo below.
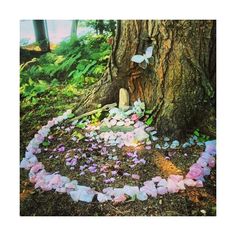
(179, 87)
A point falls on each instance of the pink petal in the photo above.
(135, 176)
(38, 166)
(162, 190)
(156, 179)
(176, 178)
(199, 183)
(172, 186)
(190, 182)
(120, 198)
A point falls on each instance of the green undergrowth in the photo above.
(54, 82)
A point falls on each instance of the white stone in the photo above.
(124, 99)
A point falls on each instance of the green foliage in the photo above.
(69, 90)
(148, 112)
(78, 135)
(96, 117)
(108, 26)
(32, 89)
(201, 137)
(46, 143)
(81, 125)
(79, 61)
(51, 83)
(71, 115)
(149, 121)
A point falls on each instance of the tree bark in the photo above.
(41, 35)
(180, 86)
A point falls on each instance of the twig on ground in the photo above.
(106, 107)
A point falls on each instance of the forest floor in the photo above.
(35, 202)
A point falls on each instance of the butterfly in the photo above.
(144, 59)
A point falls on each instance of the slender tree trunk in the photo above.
(41, 35)
(112, 26)
(100, 26)
(74, 28)
(179, 87)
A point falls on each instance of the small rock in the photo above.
(148, 142)
(153, 132)
(123, 99)
(113, 122)
(149, 129)
(154, 138)
(191, 141)
(120, 123)
(200, 144)
(93, 178)
(166, 145)
(158, 146)
(185, 145)
(203, 212)
(166, 139)
(176, 143)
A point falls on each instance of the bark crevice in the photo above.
(180, 84)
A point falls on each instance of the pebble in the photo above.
(166, 145)
(154, 138)
(120, 123)
(73, 138)
(153, 132)
(185, 145)
(158, 146)
(113, 122)
(176, 143)
(203, 212)
(148, 142)
(93, 178)
(166, 139)
(191, 141)
(148, 129)
(200, 144)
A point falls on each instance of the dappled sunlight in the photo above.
(200, 196)
(166, 166)
(106, 121)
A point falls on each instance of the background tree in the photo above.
(74, 28)
(179, 88)
(101, 26)
(111, 26)
(41, 34)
